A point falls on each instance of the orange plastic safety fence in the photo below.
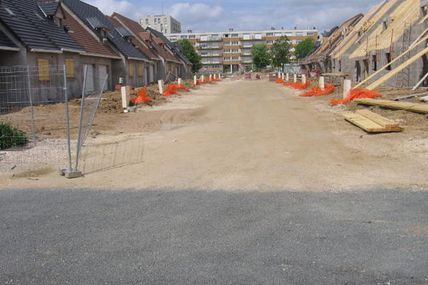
(298, 85)
(280, 81)
(170, 90)
(316, 91)
(142, 97)
(356, 94)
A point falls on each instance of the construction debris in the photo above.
(407, 106)
(372, 122)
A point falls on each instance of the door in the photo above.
(152, 72)
(90, 80)
(102, 75)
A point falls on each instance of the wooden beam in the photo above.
(414, 45)
(411, 96)
(407, 106)
(397, 70)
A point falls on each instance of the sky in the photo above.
(219, 15)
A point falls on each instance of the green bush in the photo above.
(11, 137)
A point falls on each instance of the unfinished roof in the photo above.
(336, 36)
(90, 42)
(145, 36)
(27, 22)
(94, 19)
(390, 29)
(363, 26)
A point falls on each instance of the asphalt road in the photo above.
(199, 237)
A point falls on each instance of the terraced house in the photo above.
(51, 34)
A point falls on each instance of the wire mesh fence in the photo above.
(26, 94)
(44, 127)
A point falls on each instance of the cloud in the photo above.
(110, 6)
(204, 16)
(196, 13)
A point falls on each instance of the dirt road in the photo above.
(250, 135)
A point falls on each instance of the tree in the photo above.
(191, 54)
(261, 56)
(280, 52)
(304, 48)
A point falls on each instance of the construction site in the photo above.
(119, 165)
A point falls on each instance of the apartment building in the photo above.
(161, 23)
(231, 51)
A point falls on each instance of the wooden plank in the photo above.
(378, 119)
(363, 123)
(398, 69)
(407, 106)
(411, 96)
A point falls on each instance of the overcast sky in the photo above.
(219, 15)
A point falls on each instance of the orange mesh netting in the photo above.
(316, 91)
(298, 85)
(170, 90)
(142, 97)
(280, 81)
(356, 94)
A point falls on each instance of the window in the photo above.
(69, 67)
(374, 62)
(388, 60)
(131, 70)
(43, 66)
(140, 70)
(10, 12)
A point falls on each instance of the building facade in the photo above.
(161, 23)
(231, 51)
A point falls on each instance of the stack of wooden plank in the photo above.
(407, 106)
(372, 122)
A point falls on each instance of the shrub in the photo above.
(11, 137)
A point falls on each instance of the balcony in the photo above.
(210, 47)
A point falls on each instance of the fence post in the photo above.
(161, 86)
(322, 83)
(347, 87)
(67, 123)
(79, 137)
(195, 80)
(30, 94)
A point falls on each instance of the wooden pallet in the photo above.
(407, 106)
(371, 122)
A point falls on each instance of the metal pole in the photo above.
(30, 94)
(67, 121)
(81, 118)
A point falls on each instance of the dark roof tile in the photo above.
(5, 41)
(85, 11)
(27, 22)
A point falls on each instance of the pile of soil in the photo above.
(111, 102)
